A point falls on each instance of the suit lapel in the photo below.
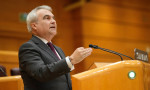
(43, 46)
(59, 51)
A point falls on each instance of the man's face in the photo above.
(46, 25)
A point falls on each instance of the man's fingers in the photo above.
(87, 50)
(80, 48)
(86, 54)
(79, 54)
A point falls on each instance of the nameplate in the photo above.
(141, 55)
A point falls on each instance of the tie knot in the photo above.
(50, 45)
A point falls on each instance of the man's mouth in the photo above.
(52, 27)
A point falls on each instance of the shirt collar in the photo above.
(44, 40)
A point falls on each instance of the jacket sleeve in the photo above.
(31, 63)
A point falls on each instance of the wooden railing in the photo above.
(11, 83)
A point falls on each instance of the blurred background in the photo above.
(119, 25)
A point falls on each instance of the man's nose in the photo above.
(53, 21)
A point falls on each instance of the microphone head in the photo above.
(93, 46)
(90, 45)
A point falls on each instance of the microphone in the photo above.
(110, 51)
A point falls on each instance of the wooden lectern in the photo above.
(123, 75)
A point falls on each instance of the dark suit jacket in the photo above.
(40, 67)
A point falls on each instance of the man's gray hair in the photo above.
(32, 16)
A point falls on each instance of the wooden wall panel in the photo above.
(116, 14)
(9, 59)
(139, 4)
(93, 29)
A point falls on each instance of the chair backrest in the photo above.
(2, 71)
(14, 71)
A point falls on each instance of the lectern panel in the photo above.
(123, 75)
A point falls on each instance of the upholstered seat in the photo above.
(14, 71)
(2, 71)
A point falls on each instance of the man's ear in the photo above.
(34, 26)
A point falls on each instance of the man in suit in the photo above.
(44, 66)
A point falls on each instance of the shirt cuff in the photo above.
(69, 64)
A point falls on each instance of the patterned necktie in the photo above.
(52, 48)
